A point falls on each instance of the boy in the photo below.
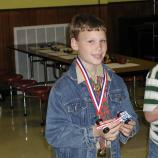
(151, 110)
(87, 92)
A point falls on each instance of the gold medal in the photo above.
(97, 87)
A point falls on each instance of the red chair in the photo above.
(42, 93)
(22, 85)
(8, 80)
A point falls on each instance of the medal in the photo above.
(97, 87)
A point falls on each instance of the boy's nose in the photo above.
(99, 45)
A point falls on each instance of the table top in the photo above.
(46, 52)
(134, 65)
(65, 55)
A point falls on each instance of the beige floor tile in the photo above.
(22, 137)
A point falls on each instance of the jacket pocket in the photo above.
(116, 101)
(117, 96)
(80, 112)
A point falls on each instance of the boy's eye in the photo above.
(103, 41)
(91, 41)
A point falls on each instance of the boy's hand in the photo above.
(126, 129)
(99, 132)
(113, 132)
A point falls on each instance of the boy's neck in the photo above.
(90, 68)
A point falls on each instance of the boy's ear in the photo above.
(74, 44)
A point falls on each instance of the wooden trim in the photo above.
(110, 13)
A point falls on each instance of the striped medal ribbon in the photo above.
(97, 103)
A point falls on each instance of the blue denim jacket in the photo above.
(71, 114)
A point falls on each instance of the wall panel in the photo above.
(110, 13)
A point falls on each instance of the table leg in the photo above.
(31, 67)
(134, 94)
(45, 72)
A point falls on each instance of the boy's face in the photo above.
(91, 46)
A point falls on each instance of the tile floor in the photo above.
(22, 137)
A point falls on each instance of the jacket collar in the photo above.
(75, 74)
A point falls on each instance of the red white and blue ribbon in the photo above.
(97, 103)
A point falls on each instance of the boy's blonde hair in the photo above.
(85, 22)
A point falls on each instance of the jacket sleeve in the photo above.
(127, 105)
(60, 131)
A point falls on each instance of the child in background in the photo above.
(151, 110)
(88, 91)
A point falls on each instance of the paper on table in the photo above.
(117, 65)
(57, 53)
(49, 51)
(72, 56)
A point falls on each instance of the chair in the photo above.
(22, 85)
(42, 93)
(8, 80)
